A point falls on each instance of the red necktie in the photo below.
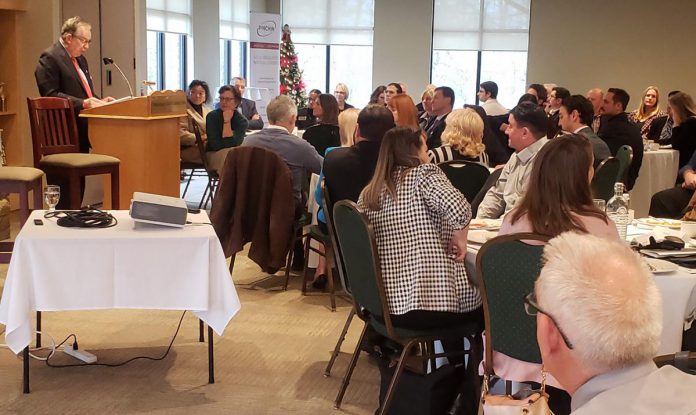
(82, 77)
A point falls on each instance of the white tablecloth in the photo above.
(678, 291)
(658, 172)
(55, 268)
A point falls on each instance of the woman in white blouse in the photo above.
(421, 224)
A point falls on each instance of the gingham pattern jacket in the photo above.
(413, 234)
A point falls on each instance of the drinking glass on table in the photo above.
(601, 204)
(52, 196)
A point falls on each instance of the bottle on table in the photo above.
(617, 210)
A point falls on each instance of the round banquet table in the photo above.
(658, 172)
(678, 290)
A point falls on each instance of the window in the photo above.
(169, 43)
(312, 61)
(234, 60)
(481, 40)
(234, 39)
(334, 44)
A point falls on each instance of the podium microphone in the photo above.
(109, 61)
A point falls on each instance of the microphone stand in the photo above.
(111, 62)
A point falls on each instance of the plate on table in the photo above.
(660, 266)
(650, 223)
(485, 224)
(481, 236)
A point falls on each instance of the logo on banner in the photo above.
(265, 29)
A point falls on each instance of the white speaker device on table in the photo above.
(158, 210)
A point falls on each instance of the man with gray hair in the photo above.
(599, 321)
(63, 72)
(248, 107)
(299, 155)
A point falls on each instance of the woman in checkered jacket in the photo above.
(421, 224)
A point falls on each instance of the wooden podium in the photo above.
(142, 132)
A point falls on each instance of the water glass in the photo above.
(52, 196)
(601, 204)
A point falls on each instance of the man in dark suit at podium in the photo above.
(63, 72)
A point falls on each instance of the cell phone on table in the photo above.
(194, 211)
(38, 222)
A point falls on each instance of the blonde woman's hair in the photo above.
(643, 113)
(429, 91)
(343, 88)
(464, 132)
(347, 123)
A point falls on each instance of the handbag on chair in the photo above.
(527, 402)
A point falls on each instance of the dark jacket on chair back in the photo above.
(616, 131)
(255, 203)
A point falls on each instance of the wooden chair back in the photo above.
(53, 127)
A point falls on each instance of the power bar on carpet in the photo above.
(86, 357)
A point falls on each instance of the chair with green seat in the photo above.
(317, 234)
(338, 262)
(507, 267)
(625, 156)
(468, 177)
(358, 246)
(604, 179)
(56, 152)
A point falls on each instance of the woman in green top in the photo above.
(225, 127)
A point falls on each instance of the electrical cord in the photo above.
(49, 364)
(53, 348)
(84, 218)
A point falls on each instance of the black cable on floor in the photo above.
(122, 363)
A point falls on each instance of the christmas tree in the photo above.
(291, 83)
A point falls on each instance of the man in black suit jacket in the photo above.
(63, 72)
(248, 106)
(347, 170)
(443, 102)
(616, 130)
(558, 94)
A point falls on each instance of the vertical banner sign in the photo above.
(264, 79)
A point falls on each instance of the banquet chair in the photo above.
(21, 180)
(316, 233)
(338, 262)
(56, 151)
(256, 204)
(213, 178)
(358, 246)
(625, 156)
(467, 177)
(507, 267)
(604, 179)
(490, 182)
(684, 361)
(196, 168)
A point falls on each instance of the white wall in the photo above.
(599, 43)
(402, 43)
(206, 42)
